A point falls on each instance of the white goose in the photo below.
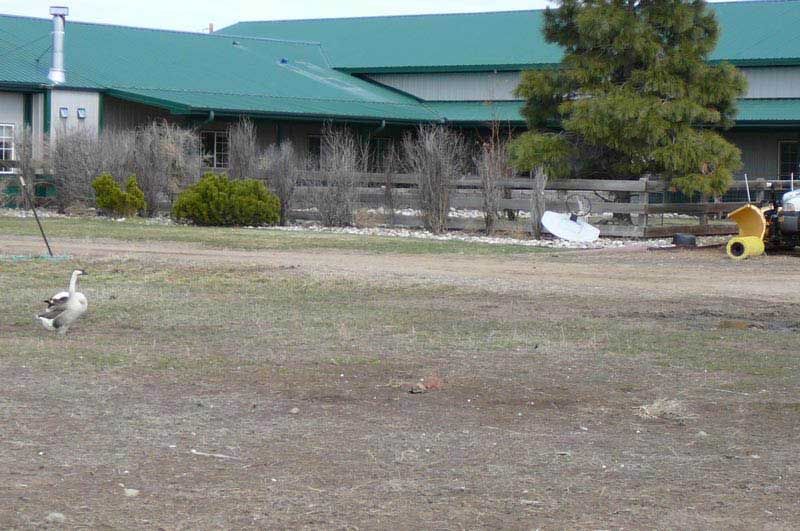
(65, 307)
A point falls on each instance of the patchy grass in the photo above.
(250, 396)
(247, 239)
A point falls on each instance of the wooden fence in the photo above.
(650, 219)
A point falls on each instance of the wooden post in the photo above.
(644, 200)
(761, 187)
(538, 203)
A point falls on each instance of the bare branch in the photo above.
(282, 166)
(438, 156)
(243, 156)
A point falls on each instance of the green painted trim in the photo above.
(446, 68)
(300, 117)
(786, 61)
(19, 87)
(172, 107)
(101, 112)
(767, 124)
(48, 102)
(27, 109)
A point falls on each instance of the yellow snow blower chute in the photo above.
(752, 227)
(776, 226)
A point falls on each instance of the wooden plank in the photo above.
(693, 208)
(597, 185)
(657, 185)
(621, 231)
(666, 231)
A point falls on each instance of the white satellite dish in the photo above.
(569, 227)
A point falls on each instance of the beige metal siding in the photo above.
(773, 82)
(12, 108)
(471, 86)
(72, 100)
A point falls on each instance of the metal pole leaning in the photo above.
(35, 215)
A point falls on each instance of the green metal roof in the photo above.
(768, 111)
(753, 33)
(193, 72)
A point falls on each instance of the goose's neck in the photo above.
(73, 283)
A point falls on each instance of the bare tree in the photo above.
(243, 154)
(74, 160)
(21, 166)
(390, 163)
(438, 156)
(493, 164)
(166, 159)
(342, 157)
(282, 166)
(116, 153)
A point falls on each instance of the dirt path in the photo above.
(652, 273)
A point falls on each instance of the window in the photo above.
(380, 149)
(314, 150)
(81, 113)
(6, 147)
(788, 158)
(215, 148)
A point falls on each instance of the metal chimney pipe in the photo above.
(57, 73)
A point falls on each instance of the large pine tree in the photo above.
(634, 95)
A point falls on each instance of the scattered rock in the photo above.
(664, 409)
(294, 410)
(432, 383)
(131, 493)
(418, 388)
(56, 518)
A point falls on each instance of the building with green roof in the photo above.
(381, 74)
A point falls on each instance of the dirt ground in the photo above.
(625, 389)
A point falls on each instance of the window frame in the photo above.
(220, 158)
(13, 127)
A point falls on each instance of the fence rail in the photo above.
(634, 198)
(616, 197)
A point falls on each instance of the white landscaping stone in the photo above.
(56, 518)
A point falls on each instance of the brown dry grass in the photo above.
(261, 389)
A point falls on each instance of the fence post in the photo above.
(642, 198)
(760, 183)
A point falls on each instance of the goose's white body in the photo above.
(65, 307)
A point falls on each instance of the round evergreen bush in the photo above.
(111, 199)
(217, 201)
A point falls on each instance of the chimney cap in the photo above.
(59, 11)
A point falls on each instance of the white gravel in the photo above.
(602, 243)
(25, 213)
